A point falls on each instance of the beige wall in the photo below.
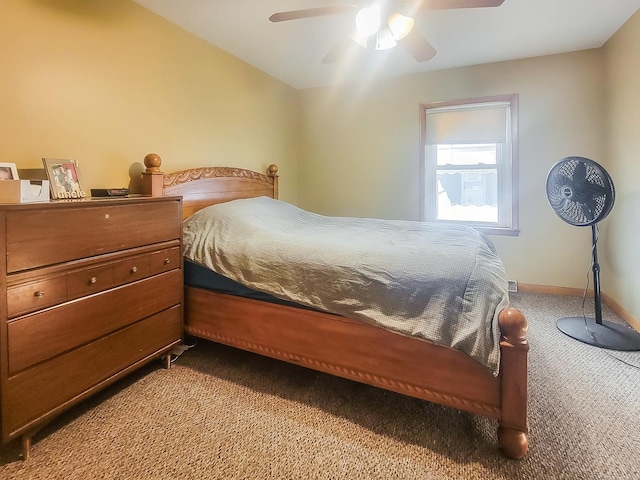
(106, 82)
(360, 150)
(620, 236)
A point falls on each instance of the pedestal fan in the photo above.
(581, 193)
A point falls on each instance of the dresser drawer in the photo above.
(42, 237)
(36, 295)
(51, 386)
(90, 280)
(131, 269)
(33, 296)
(45, 334)
(165, 260)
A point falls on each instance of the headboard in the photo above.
(201, 187)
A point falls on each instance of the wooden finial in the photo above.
(272, 173)
(514, 326)
(152, 177)
(153, 161)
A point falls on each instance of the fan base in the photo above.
(613, 336)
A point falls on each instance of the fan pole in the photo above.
(596, 275)
(596, 332)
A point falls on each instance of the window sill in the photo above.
(508, 232)
(504, 231)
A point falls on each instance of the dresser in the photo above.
(94, 290)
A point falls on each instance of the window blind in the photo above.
(478, 124)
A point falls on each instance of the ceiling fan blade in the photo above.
(310, 12)
(418, 46)
(451, 4)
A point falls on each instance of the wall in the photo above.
(620, 235)
(106, 82)
(360, 150)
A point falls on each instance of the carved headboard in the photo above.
(201, 187)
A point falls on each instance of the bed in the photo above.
(341, 345)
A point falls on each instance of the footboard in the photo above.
(371, 355)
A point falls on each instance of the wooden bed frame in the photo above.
(344, 347)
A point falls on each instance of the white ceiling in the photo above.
(292, 51)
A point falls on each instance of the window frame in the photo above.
(428, 172)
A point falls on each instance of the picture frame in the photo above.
(8, 171)
(64, 178)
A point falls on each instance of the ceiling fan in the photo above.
(384, 24)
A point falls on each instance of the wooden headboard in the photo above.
(201, 187)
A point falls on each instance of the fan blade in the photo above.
(594, 190)
(418, 46)
(579, 175)
(451, 4)
(587, 211)
(561, 180)
(310, 12)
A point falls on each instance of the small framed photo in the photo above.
(64, 178)
(8, 171)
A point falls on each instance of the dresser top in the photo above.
(85, 202)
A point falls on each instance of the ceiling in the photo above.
(292, 51)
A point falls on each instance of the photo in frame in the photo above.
(8, 171)
(64, 178)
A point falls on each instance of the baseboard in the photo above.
(552, 290)
(579, 292)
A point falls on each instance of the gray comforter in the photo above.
(444, 284)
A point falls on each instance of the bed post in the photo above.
(513, 429)
(272, 172)
(152, 177)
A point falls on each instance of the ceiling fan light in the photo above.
(368, 20)
(400, 25)
(385, 40)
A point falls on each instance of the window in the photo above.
(468, 163)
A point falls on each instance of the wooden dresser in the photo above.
(94, 290)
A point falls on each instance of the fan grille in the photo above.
(580, 191)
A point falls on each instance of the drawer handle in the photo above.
(167, 261)
(38, 294)
(93, 280)
(106, 216)
(134, 269)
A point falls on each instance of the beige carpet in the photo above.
(220, 413)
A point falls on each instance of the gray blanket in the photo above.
(444, 284)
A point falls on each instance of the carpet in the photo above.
(221, 413)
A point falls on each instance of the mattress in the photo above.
(199, 276)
